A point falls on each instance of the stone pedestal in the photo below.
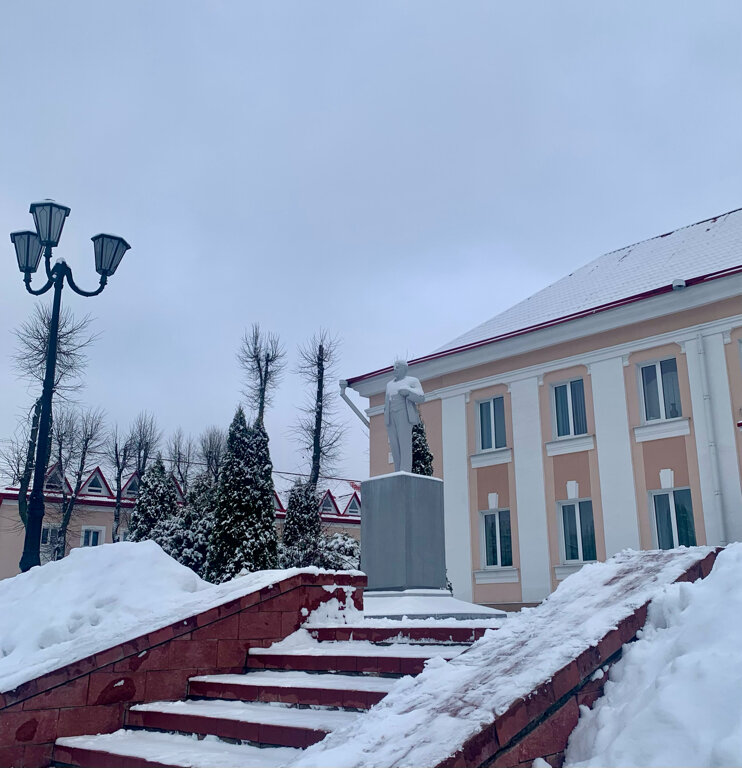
(402, 537)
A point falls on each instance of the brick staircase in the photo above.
(291, 696)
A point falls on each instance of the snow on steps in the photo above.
(267, 710)
(514, 695)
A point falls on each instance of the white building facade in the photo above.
(604, 412)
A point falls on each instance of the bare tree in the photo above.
(32, 345)
(318, 430)
(212, 447)
(145, 439)
(78, 438)
(262, 358)
(119, 454)
(18, 457)
(181, 454)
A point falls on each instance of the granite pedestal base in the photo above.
(402, 536)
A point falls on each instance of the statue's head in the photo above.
(400, 368)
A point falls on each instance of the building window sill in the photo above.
(491, 457)
(661, 429)
(564, 445)
(504, 575)
(567, 569)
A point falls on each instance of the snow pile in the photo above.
(675, 697)
(98, 597)
(435, 713)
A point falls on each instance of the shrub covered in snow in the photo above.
(156, 503)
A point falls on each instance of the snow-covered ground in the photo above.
(98, 597)
(675, 697)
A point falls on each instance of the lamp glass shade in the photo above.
(28, 249)
(109, 250)
(49, 219)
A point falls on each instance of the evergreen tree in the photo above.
(155, 506)
(244, 536)
(185, 537)
(302, 528)
(422, 458)
(340, 552)
(263, 539)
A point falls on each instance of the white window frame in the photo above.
(660, 389)
(483, 538)
(670, 493)
(560, 517)
(101, 529)
(351, 511)
(493, 447)
(49, 528)
(571, 434)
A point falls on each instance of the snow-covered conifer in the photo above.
(340, 552)
(155, 506)
(244, 536)
(186, 536)
(422, 458)
(302, 528)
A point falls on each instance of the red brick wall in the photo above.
(91, 695)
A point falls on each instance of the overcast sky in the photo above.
(395, 172)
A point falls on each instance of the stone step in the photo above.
(351, 656)
(292, 687)
(150, 749)
(257, 722)
(384, 634)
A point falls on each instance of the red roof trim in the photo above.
(332, 499)
(354, 495)
(557, 321)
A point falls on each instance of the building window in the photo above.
(497, 538)
(354, 508)
(132, 488)
(673, 519)
(569, 409)
(578, 530)
(95, 485)
(327, 508)
(92, 537)
(660, 390)
(492, 424)
(49, 536)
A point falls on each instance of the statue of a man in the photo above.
(400, 414)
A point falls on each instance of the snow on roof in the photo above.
(342, 490)
(699, 249)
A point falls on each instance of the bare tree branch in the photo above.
(212, 446)
(181, 453)
(118, 453)
(318, 431)
(32, 343)
(262, 359)
(78, 439)
(145, 438)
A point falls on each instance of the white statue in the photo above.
(403, 392)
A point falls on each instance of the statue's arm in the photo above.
(416, 392)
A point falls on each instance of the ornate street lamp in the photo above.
(49, 218)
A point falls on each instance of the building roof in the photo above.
(694, 254)
(707, 247)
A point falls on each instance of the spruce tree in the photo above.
(302, 528)
(263, 539)
(244, 536)
(186, 535)
(156, 504)
(422, 458)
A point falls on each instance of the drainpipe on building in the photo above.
(711, 432)
(343, 387)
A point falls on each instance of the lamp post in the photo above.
(49, 218)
